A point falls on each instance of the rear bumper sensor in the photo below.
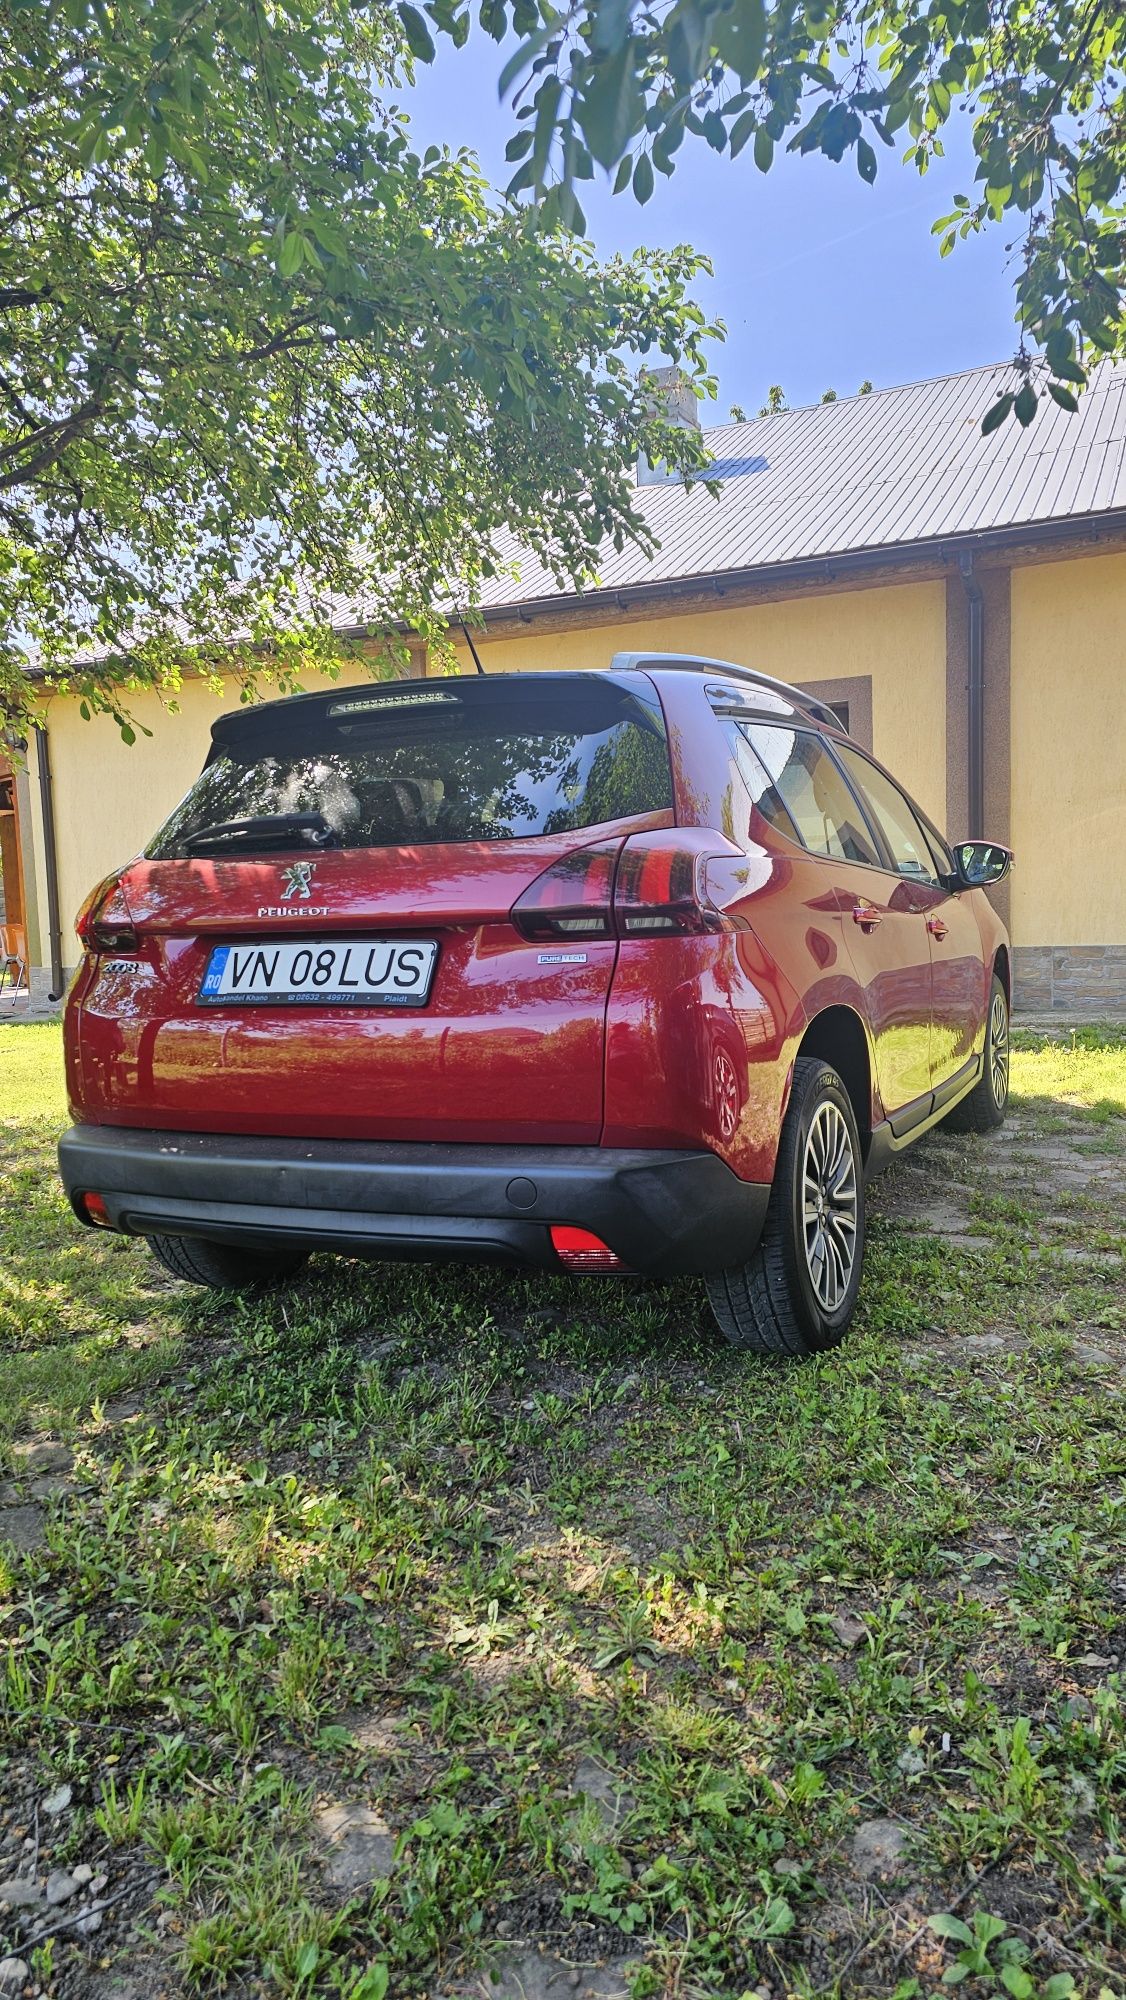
(664, 1214)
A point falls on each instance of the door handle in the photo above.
(866, 916)
(936, 927)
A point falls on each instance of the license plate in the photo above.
(315, 972)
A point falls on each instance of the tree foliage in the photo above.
(622, 84)
(258, 360)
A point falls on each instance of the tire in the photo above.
(784, 1299)
(984, 1107)
(224, 1267)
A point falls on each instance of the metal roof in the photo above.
(867, 473)
(857, 478)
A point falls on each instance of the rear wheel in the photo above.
(984, 1109)
(797, 1294)
(224, 1267)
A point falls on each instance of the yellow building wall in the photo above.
(110, 797)
(1068, 706)
(897, 634)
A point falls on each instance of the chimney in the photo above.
(672, 396)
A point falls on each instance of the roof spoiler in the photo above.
(698, 664)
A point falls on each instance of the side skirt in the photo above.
(910, 1122)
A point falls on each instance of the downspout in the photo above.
(975, 716)
(51, 862)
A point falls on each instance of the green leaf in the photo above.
(622, 177)
(643, 177)
(946, 1926)
(547, 105)
(865, 161)
(987, 1928)
(308, 1958)
(739, 36)
(764, 150)
(1017, 1982)
(610, 26)
(994, 418)
(419, 39)
(1063, 397)
(372, 1984)
(292, 254)
(1024, 405)
(612, 108)
(523, 57)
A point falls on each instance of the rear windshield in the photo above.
(483, 761)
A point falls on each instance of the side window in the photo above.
(813, 792)
(765, 796)
(906, 839)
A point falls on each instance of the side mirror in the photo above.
(981, 863)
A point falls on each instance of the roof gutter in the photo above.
(827, 570)
(946, 550)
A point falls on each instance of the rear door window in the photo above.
(495, 760)
(808, 785)
(903, 832)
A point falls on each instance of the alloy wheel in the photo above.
(829, 1205)
(999, 1050)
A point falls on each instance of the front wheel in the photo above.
(984, 1109)
(797, 1294)
(224, 1267)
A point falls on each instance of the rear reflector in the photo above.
(572, 898)
(581, 1250)
(94, 1209)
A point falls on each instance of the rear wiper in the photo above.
(268, 830)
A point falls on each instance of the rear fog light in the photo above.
(580, 1250)
(95, 1210)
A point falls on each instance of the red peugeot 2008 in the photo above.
(641, 970)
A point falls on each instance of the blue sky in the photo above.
(822, 280)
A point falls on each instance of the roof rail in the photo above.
(698, 663)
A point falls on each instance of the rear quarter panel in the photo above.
(684, 1012)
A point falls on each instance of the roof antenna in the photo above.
(472, 648)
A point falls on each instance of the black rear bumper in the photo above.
(664, 1213)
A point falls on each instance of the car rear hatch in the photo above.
(322, 942)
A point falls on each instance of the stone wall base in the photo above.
(1070, 978)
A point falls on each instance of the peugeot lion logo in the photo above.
(298, 879)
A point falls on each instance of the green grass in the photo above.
(1083, 1071)
(31, 1074)
(513, 1524)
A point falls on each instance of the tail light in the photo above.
(104, 922)
(653, 884)
(580, 1250)
(661, 889)
(571, 899)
